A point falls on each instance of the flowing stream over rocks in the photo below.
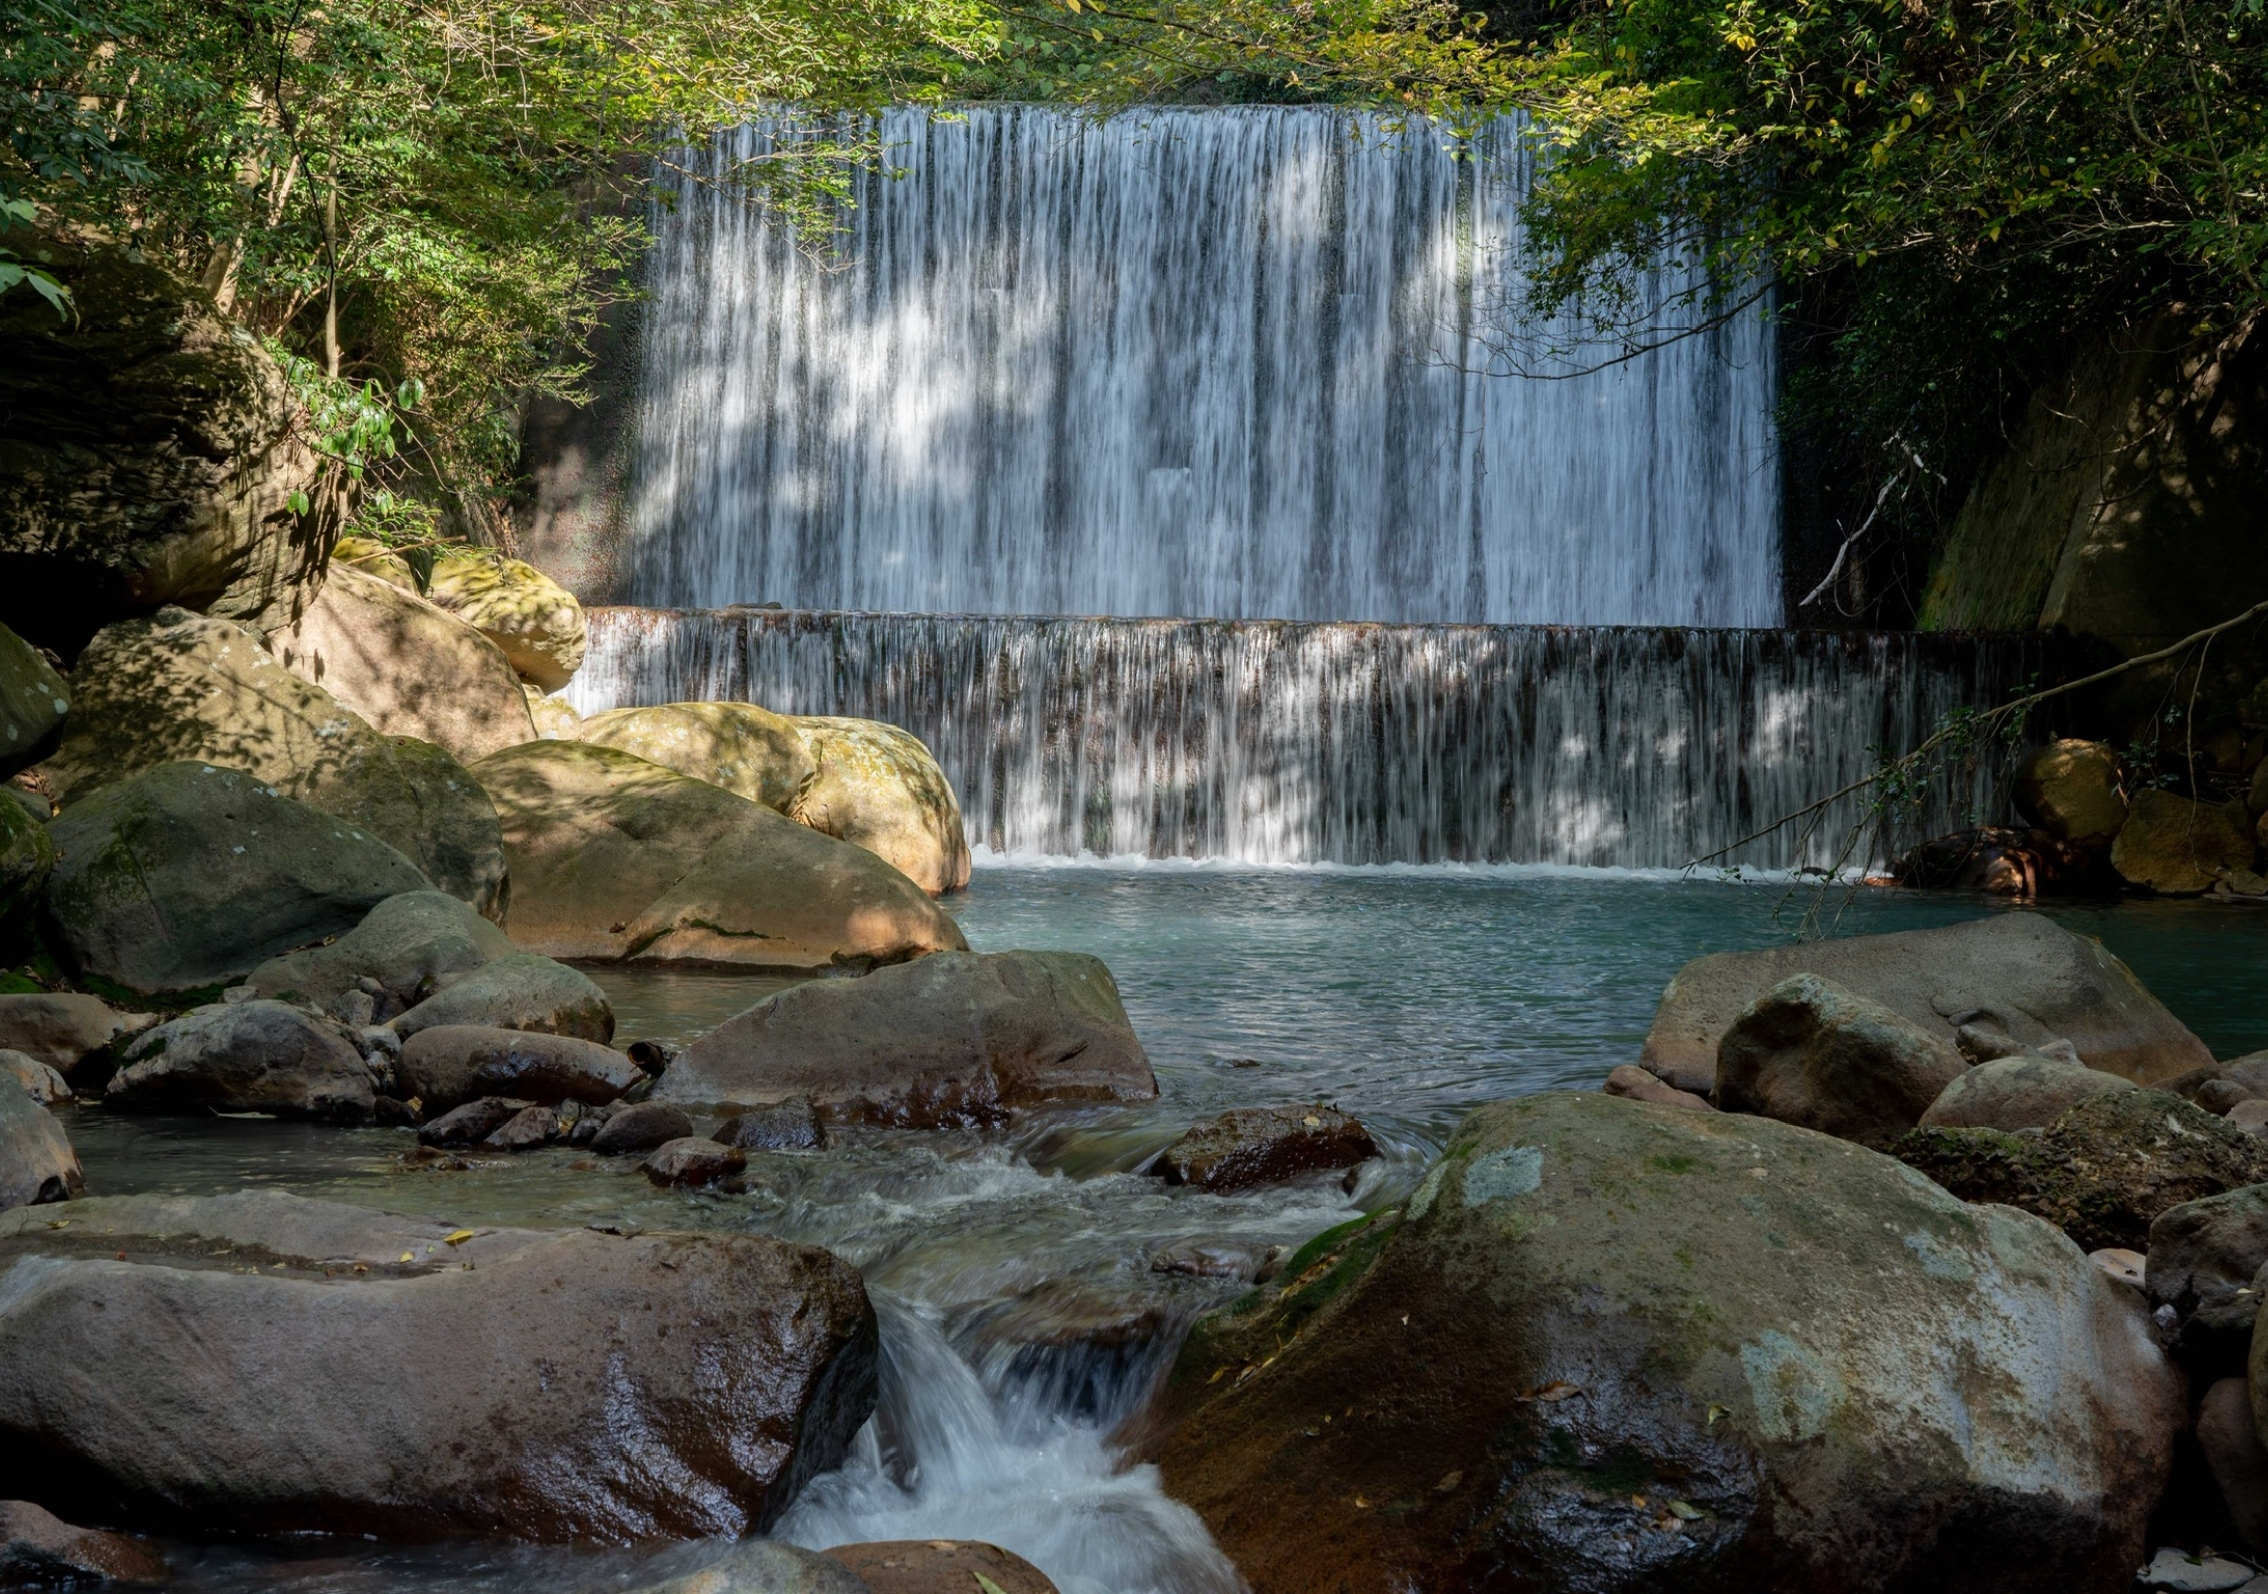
(1349, 743)
(1023, 1315)
(1245, 363)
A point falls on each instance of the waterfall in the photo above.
(1244, 363)
(1352, 743)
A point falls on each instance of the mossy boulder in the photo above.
(373, 558)
(2104, 1171)
(253, 1056)
(555, 718)
(179, 686)
(2071, 790)
(537, 622)
(406, 666)
(189, 875)
(1810, 1052)
(406, 946)
(613, 857)
(149, 451)
(738, 746)
(1614, 1347)
(879, 788)
(522, 991)
(2174, 845)
(33, 701)
(27, 859)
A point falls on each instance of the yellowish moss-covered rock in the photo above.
(2174, 845)
(2071, 788)
(554, 717)
(537, 622)
(743, 748)
(877, 787)
(374, 558)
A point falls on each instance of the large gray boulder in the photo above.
(1809, 1052)
(61, 1028)
(149, 450)
(955, 1038)
(448, 1064)
(180, 686)
(407, 666)
(518, 991)
(245, 1057)
(2016, 972)
(2026, 1091)
(1615, 1347)
(613, 857)
(33, 701)
(406, 946)
(2204, 1256)
(548, 1385)
(37, 1164)
(189, 875)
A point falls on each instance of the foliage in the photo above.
(417, 197)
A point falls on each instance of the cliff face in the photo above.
(2129, 507)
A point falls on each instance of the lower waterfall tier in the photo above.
(1274, 742)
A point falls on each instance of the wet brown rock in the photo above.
(643, 1126)
(522, 991)
(957, 1038)
(940, 1566)
(791, 1126)
(613, 857)
(2023, 1092)
(529, 1129)
(2071, 789)
(2018, 973)
(37, 1164)
(1639, 1085)
(2001, 862)
(251, 1056)
(1567, 1369)
(61, 1029)
(452, 1063)
(472, 1123)
(2174, 845)
(2103, 1172)
(691, 1161)
(1261, 1145)
(2233, 1453)
(548, 1385)
(38, 1549)
(1810, 1052)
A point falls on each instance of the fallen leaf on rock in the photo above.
(407, 1257)
(458, 1238)
(1715, 1412)
(987, 1584)
(1553, 1393)
(1684, 1512)
(1449, 1481)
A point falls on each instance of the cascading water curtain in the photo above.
(1238, 363)
(1287, 743)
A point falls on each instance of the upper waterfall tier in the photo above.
(1366, 744)
(1235, 363)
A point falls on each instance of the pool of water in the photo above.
(998, 1261)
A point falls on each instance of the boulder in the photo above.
(643, 1126)
(877, 787)
(62, 1028)
(2204, 1256)
(518, 991)
(37, 1164)
(38, 1549)
(33, 701)
(555, 718)
(1810, 1052)
(958, 1038)
(2173, 845)
(407, 666)
(371, 557)
(406, 947)
(738, 746)
(27, 863)
(2002, 862)
(941, 1566)
(551, 1385)
(790, 1126)
(613, 857)
(1615, 1346)
(182, 686)
(446, 1064)
(1639, 1085)
(536, 622)
(2103, 1172)
(2019, 973)
(690, 1161)
(2071, 789)
(38, 1081)
(762, 1566)
(471, 1123)
(529, 1129)
(1262, 1145)
(2235, 1457)
(149, 449)
(2023, 1092)
(188, 875)
(251, 1056)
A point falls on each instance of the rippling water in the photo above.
(1022, 1317)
